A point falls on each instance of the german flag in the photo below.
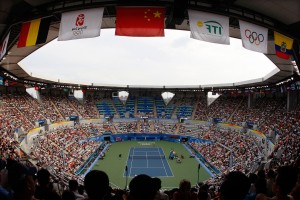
(34, 32)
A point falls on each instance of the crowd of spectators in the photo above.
(64, 150)
(201, 109)
(28, 106)
(230, 150)
(12, 117)
(64, 106)
(86, 108)
(146, 126)
(223, 107)
(161, 126)
(53, 114)
(9, 147)
(19, 182)
(126, 127)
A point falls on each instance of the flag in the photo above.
(209, 27)
(34, 32)
(254, 37)
(80, 24)
(3, 46)
(140, 21)
(283, 45)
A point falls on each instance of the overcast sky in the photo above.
(175, 59)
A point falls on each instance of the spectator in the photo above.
(235, 186)
(44, 189)
(21, 181)
(204, 189)
(202, 195)
(284, 183)
(271, 175)
(73, 187)
(81, 190)
(261, 188)
(68, 195)
(142, 187)
(184, 192)
(159, 195)
(96, 184)
(4, 193)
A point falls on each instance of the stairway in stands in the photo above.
(119, 106)
(145, 105)
(130, 106)
(105, 108)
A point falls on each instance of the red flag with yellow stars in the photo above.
(140, 21)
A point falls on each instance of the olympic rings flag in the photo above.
(80, 24)
(254, 37)
(209, 27)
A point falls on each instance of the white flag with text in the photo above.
(209, 27)
(80, 24)
(254, 37)
(3, 46)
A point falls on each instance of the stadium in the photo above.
(79, 139)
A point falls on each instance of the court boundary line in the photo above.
(146, 159)
(131, 160)
(161, 159)
(147, 151)
(126, 164)
(168, 163)
(164, 164)
(148, 167)
(111, 183)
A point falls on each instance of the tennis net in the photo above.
(146, 156)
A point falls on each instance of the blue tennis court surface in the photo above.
(147, 160)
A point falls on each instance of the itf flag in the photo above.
(209, 27)
(283, 45)
(3, 46)
(80, 24)
(254, 37)
(140, 21)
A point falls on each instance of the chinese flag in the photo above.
(140, 21)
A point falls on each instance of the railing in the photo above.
(92, 158)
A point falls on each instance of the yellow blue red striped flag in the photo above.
(283, 45)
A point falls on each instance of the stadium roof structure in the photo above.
(276, 15)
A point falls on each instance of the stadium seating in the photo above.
(160, 106)
(119, 106)
(130, 106)
(65, 151)
(145, 106)
(106, 108)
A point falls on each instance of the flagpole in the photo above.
(126, 174)
(198, 172)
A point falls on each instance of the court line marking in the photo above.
(131, 160)
(149, 167)
(146, 151)
(164, 166)
(124, 174)
(167, 163)
(147, 159)
(111, 183)
(134, 149)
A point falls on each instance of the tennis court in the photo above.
(115, 166)
(147, 160)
